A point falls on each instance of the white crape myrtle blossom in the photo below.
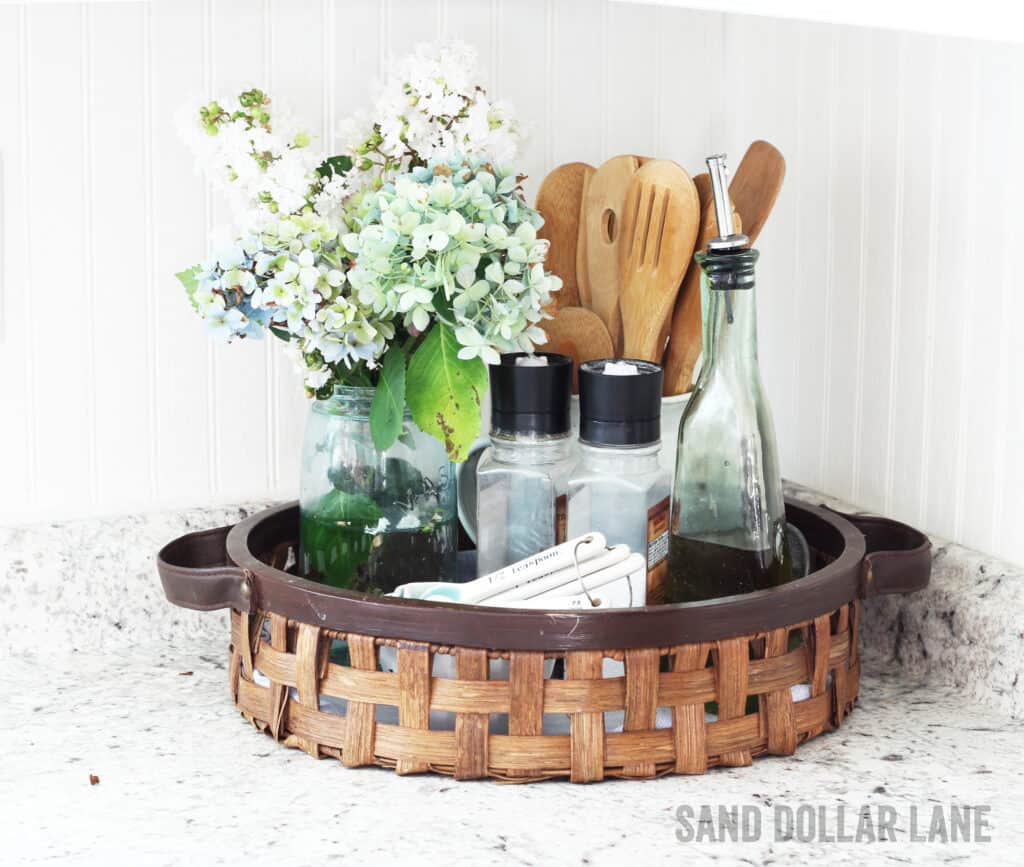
(428, 108)
(264, 170)
(454, 241)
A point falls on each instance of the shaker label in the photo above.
(562, 518)
(657, 549)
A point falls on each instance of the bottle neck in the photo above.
(531, 450)
(730, 323)
(621, 460)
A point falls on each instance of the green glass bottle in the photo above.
(728, 516)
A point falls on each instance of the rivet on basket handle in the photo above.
(196, 573)
(898, 558)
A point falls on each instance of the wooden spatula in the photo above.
(755, 186)
(580, 334)
(660, 228)
(684, 342)
(559, 201)
(602, 235)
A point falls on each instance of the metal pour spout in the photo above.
(727, 239)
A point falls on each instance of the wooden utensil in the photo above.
(582, 274)
(662, 216)
(685, 335)
(601, 230)
(580, 334)
(559, 201)
(755, 186)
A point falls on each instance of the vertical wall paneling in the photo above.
(979, 462)
(116, 268)
(764, 60)
(944, 357)
(688, 95)
(16, 409)
(889, 311)
(473, 22)
(575, 99)
(183, 427)
(410, 22)
(908, 402)
(878, 286)
(299, 71)
(801, 457)
(60, 344)
(632, 90)
(1007, 509)
(522, 31)
(237, 61)
(836, 462)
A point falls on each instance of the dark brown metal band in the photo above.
(875, 556)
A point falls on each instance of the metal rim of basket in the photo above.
(823, 590)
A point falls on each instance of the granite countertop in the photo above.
(102, 677)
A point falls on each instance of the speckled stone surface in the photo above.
(92, 679)
(96, 582)
(966, 629)
(184, 779)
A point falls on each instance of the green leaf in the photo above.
(187, 278)
(280, 333)
(334, 166)
(388, 400)
(444, 391)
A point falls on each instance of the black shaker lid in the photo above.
(531, 399)
(620, 410)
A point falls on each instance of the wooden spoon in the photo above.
(685, 336)
(601, 230)
(559, 201)
(755, 186)
(660, 229)
(580, 334)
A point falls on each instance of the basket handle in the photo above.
(196, 573)
(898, 558)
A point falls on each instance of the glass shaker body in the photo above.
(522, 483)
(623, 493)
(522, 477)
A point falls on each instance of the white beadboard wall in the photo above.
(890, 316)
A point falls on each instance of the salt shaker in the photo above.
(523, 475)
(619, 488)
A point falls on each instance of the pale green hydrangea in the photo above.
(454, 241)
(290, 277)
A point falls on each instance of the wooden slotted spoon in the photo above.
(601, 234)
(559, 201)
(662, 214)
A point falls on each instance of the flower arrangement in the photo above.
(403, 263)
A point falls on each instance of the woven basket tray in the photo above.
(527, 695)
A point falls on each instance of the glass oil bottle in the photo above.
(728, 515)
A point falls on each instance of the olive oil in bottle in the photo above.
(728, 516)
